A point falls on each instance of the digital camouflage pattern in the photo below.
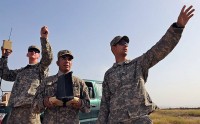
(27, 79)
(142, 120)
(59, 114)
(124, 97)
(23, 115)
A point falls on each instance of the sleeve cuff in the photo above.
(4, 57)
(43, 39)
(176, 26)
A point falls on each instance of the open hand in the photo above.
(184, 16)
(55, 101)
(52, 101)
(76, 103)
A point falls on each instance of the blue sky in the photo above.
(86, 28)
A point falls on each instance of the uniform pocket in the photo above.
(76, 90)
(32, 90)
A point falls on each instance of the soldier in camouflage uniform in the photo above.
(125, 99)
(26, 80)
(56, 111)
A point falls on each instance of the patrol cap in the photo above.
(65, 52)
(34, 47)
(117, 39)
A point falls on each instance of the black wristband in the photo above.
(4, 57)
(176, 26)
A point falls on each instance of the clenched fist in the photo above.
(44, 32)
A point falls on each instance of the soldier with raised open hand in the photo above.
(125, 99)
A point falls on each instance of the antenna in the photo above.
(7, 44)
(10, 33)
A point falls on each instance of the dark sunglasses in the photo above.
(66, 57)
(122, 42)
(33, 50)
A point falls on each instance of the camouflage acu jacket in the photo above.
(59, 114)
(27, 79)
(124, 94)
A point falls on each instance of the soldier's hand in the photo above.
(55, 101)
(184, 16)
(44, 32)
(76, 103)
(5, 52)
(47, 103)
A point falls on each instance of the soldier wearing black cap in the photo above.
(124, 98)
(26, 80)
(62, 95)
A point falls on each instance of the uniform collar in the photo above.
(121, 63)
(61, 73)
(31, 65)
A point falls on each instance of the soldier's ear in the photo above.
(113, 49)
(57, 63)
(27, 55)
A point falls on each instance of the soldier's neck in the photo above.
(120, 59)
(33, 61)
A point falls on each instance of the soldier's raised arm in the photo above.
(47, 55)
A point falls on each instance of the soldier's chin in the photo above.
(67, 69)
(125, 54)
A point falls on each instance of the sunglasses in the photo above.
(122, 42)
(33, 50)
(66, 57)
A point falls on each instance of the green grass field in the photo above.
(176, 116)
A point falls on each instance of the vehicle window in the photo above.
(91, 92)
(90, 89)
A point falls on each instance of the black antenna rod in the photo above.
(10, 33)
